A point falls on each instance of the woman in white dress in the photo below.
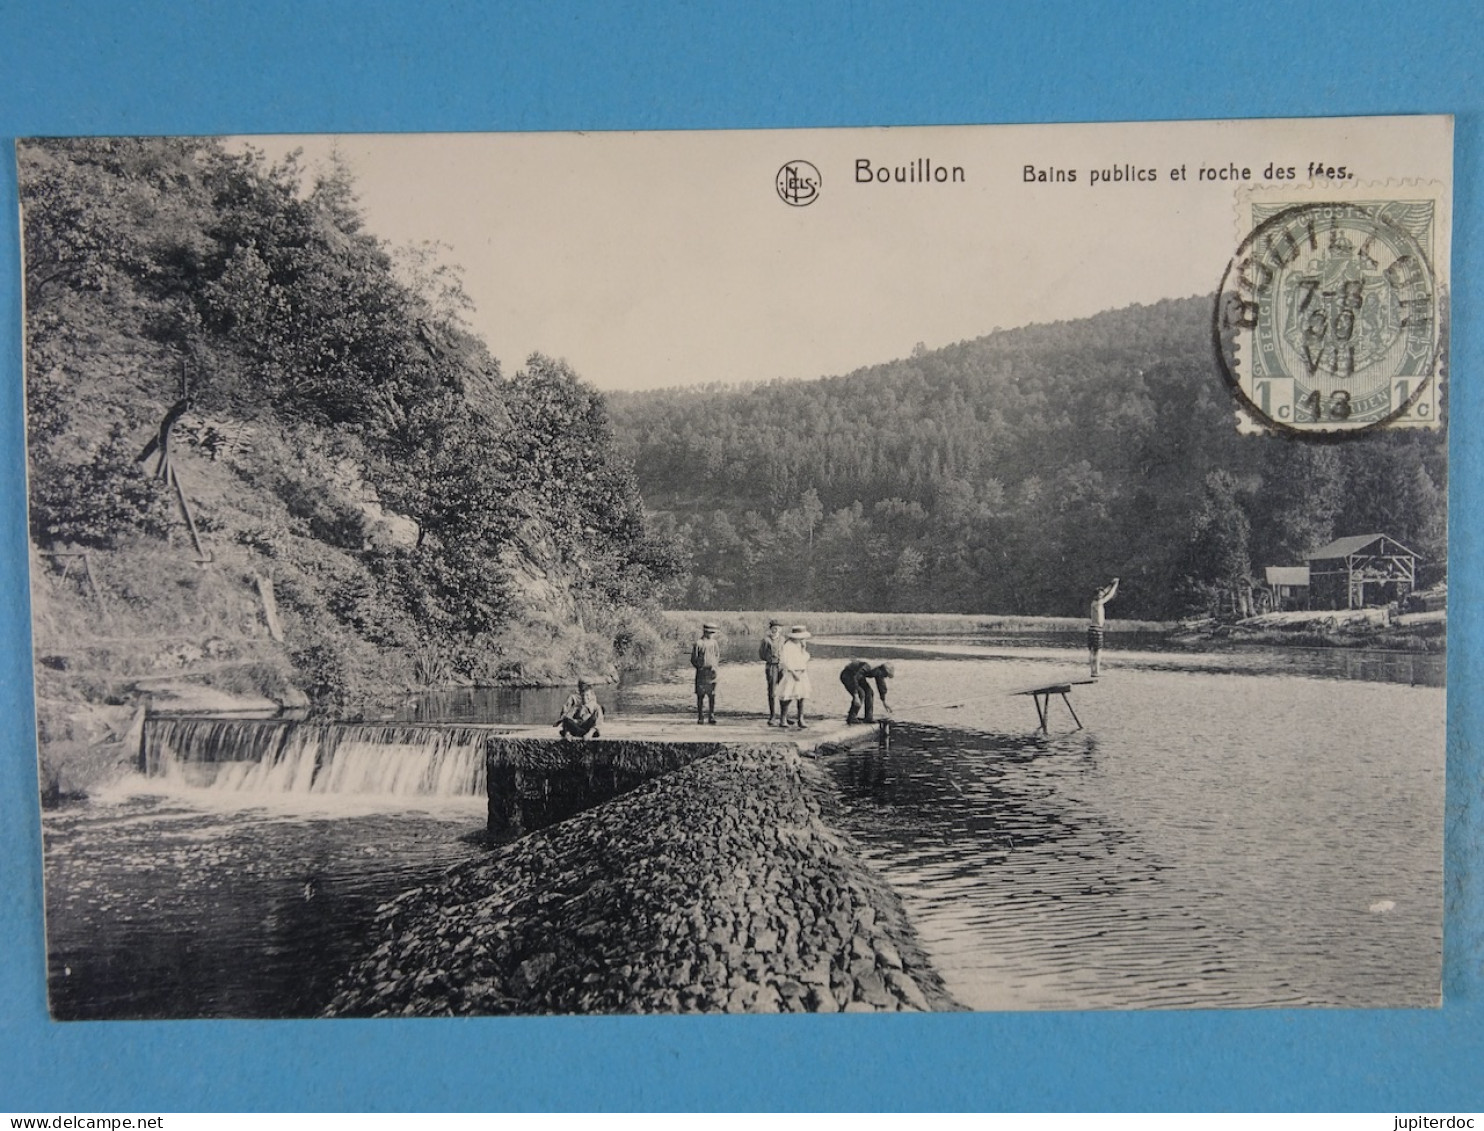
(793, 685)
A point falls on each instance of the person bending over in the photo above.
(857, 678)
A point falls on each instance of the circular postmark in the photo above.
(1327, 318)
(798, 183)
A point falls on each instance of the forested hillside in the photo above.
(340, 441)
(1009, 474)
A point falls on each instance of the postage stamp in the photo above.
(1331, 318)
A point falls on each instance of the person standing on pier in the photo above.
(857, 677)
(705, 657)
(1095, 626)
(793, 686)
(770, 653)
(582, 716)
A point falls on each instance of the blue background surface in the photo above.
(309, 67)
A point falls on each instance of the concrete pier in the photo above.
(535, 779)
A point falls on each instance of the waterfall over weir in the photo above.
(271, 756)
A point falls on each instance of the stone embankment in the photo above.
(719, 887)
(1320, 628)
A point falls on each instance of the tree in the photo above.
(1301, 495)
(1216, 558)
(559, 464)
(146, 257)
(793, 565)
(1045, 459)
(98, 500)
(1393, 492)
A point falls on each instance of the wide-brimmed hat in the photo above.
(709, 627)
(799, 632)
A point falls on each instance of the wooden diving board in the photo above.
(1041, 696)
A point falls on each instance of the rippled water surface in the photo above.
(1232, 829)
(200, 905)
(1208, 840)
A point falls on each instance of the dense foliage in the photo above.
(1012, 474)
(156, 267)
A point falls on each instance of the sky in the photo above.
(650, 260)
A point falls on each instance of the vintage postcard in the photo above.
(989, 568)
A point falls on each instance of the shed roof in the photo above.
(1344, 547)
(1287, 575)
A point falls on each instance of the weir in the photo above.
(276, 756)
(529, 779)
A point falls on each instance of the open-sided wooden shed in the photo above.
(1288, 586)
(1361, 570)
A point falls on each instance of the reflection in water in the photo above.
(1134, 652)
(523, 706)
(526, 706)
(1205, 842)
(158, 908)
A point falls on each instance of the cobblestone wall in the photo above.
(719, 887)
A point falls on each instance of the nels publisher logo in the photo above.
(798, 183)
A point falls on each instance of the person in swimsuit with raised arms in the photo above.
(1095, 626)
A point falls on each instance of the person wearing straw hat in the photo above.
(857, 677)
(705, 657)
(770, 653)
(793, 687)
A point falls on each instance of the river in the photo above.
(1249, 828)
(1239, 831)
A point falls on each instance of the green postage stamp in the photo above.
(1332, 316)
